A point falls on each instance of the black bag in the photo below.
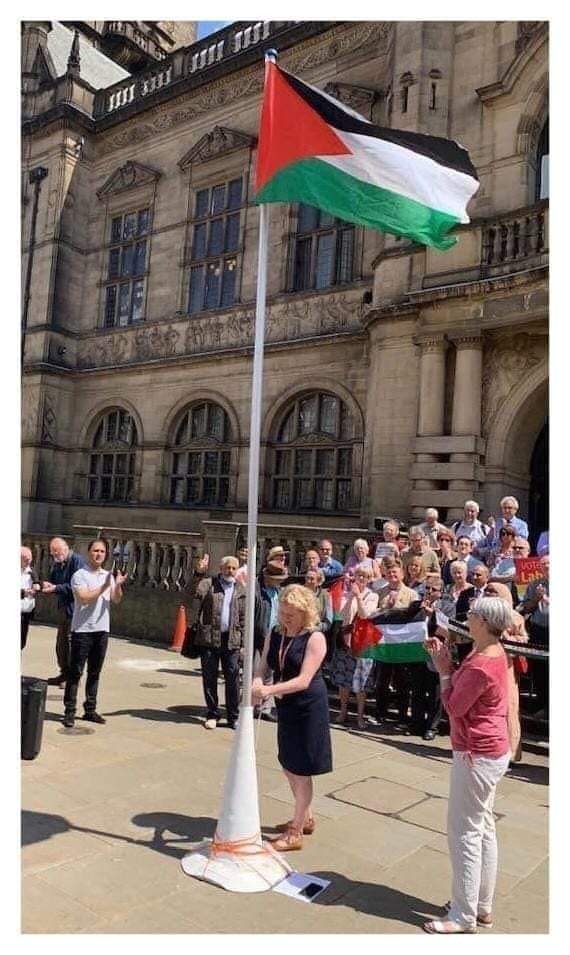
(33, 708)
(189, 649)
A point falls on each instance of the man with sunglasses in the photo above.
(329, 565)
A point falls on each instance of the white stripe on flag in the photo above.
(403, 632)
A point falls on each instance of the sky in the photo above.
(205, 27)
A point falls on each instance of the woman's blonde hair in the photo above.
(299, 597)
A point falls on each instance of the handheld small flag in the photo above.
(394, 636)
(315, 150)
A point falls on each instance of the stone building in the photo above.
(396, 376)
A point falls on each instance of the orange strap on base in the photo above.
(245, 847)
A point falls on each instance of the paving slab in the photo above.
(109, 812)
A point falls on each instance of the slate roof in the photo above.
(95, 68)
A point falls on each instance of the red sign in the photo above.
(528, 569)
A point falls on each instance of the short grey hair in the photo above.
(364, 569)
(391, 523)
(495, 612)
(509, 499)
(416, 531)
(319, 573)
(432, 511)
(458, 563)
(229, 559)
(472, 504)
(362, 542)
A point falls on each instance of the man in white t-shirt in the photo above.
(93, 590)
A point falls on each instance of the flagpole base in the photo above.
(255, 871)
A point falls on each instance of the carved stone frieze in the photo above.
(342, 40)
(129, 176)
(358, 98)
(220, 141)
(49, 423)
(506, 362)
(285, 321)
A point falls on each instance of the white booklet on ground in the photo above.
(305, 888)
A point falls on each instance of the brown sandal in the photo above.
(308, 828)
(289, 841)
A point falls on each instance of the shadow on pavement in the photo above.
(197, 673)
(38, 826)
(528, 773)
(171, 714)
(374, 899)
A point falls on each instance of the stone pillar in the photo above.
(431, 404)
(466, 417)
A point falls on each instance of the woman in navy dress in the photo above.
(295, 651)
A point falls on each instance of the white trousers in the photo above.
(471, 834)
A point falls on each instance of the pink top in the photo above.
(477, 702)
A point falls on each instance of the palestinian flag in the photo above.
(396, 636)
(335, 587)
(315, 150)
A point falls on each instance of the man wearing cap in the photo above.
(272, 577)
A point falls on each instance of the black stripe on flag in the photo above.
(446, 152)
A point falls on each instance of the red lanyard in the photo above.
(283, 653)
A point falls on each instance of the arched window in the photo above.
(201, 457)
(316, 457)
(542, 161)
(112, 460)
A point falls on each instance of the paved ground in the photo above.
(109, 811)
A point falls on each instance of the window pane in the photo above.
(232, 233)
(127, 260)
(179, 463)
(120, 489)
(303, 462)
(138, 300)
(308, 415)
(116, 229)
(287, 432)
(202, 202)
(325, 260)
(99, 435)
(345, 461)
(110, 305)
(143, 223)
(223, 492)
(225, 469)
(281, 495)
(329, 414)
(346, 423)
(105, 489)
(343, 495)
(282, 462)
(307, 218)
(124, 300)
(93, 489)
(544, 180)
(193, 490)
(94, 464)
(107, 464)
(177, 491)
(234, 194)
(345, 255)
(194, 463)
(140, 258)
(121, 463)
(304, 493)
(182, 433)
(218, 199)
(112, 420)
(302, 276)
(129, 225)
(114, 259)
(199, 243)
(211, 462)
(210, 490)
(212, 285)
(216, 421)
(196, 294)
(229, 282)
(131, 464)
(325, 461)
(324, 495)
(198, 421)
(126, 428)
(216, 237)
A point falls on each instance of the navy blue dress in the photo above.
(303, 734)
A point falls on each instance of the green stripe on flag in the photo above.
(396, 653)
(320, 184)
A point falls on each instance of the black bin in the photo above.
(33, 695)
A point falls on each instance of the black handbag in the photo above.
(189, 649)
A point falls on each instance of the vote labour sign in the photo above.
(527, 569)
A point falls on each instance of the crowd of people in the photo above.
(304, 625)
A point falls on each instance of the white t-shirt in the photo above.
(27, 604)
(93, 616)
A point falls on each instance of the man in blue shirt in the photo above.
(329, 565)
(65, 564)
(509, 507)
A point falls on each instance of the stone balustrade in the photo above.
(132, 32)
(520, 235)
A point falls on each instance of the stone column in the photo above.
(466, 416)
(431, 403)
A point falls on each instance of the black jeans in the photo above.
(211, 657)
(63, 641)
(426, 699)
(90, 648)
(397, 675)
(25, 620)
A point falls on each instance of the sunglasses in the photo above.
(506, 534)
(432, 590)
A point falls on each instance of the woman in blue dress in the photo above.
(295, 651)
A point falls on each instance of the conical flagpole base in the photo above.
(237, 858)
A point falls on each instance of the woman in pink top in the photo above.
(476, 699)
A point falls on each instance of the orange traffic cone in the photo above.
(179, 630)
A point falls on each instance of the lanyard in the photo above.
(283, 653)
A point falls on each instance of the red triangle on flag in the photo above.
(365, 634)
(290, 129)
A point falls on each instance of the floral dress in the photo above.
(347, 671)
